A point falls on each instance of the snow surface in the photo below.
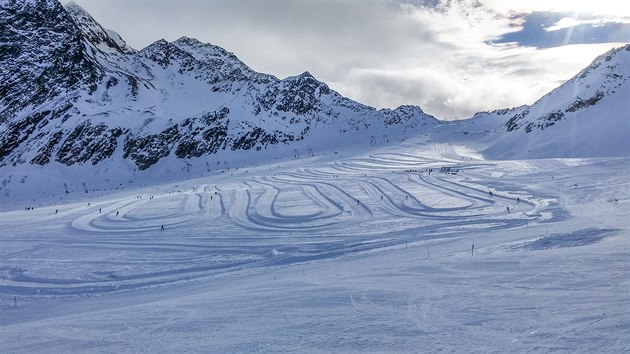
(360, 250)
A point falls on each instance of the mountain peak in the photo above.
(189, 40)
(72, 4)
(106, 40)
(203, 51)
(611, 55)
(43, 54)
(306, 74)
(588, 114)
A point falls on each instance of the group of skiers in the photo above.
(518, 200)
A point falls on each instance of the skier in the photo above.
(162, 228)
(117, 213)
(518, 199)
(508, 209)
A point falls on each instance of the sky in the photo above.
(452, 58)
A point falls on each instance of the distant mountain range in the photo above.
(73, 93)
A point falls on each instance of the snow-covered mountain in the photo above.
(587, 116)
(74, 93)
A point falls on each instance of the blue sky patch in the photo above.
(535, 33)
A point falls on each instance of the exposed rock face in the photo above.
(87, 142)
(43, 56)
(149, 149)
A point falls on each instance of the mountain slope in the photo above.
(42, 57)
(73, 94)
(587, 116)
(78, 95)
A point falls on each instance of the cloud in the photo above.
(460, 86)
(450, 57)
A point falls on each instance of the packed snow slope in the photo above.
(414, 246)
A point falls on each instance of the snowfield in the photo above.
(366, 251)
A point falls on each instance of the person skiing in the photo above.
(508, 209)
(162, 228)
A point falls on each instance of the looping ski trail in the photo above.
(334, 208)
(309, 213)
(149, 214)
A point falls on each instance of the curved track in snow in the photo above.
(314, 212)
(149, 214)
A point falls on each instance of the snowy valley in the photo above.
(172, 199)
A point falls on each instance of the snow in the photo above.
(351, 240)
(115, 36)
(356, 251)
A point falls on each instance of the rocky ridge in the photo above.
(77, 94)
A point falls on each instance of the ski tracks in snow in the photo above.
(314, 212)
